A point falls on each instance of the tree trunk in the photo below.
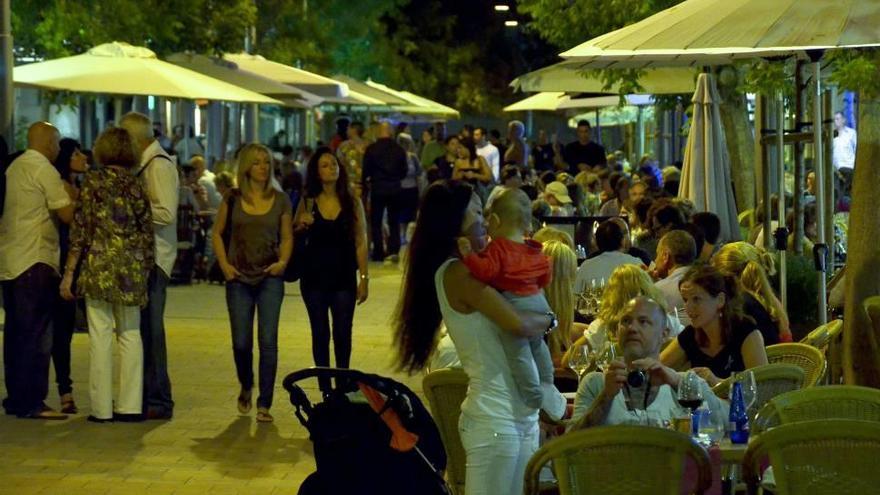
(740, 139)
(861, 364)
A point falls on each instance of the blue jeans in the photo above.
(496, 454)
(157, 385)
(321, 305)
(243, 300)
(29, 301)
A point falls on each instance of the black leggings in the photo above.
(321, 305)
(63, 323)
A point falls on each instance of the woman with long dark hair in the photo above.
(721, 339)
(498, 431)
(70, 162)
(333, 219)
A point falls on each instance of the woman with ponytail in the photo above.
(752, 267)
(720, 340)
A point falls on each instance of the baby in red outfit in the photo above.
(517, 267)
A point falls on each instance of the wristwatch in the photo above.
(365, 277)
(554, 322)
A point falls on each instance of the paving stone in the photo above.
(207, 447)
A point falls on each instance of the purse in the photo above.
(295, 266)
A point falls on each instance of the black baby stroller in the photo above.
(382, 441)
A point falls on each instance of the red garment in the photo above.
(510, 266)
(335, 141)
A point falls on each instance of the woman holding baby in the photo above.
(498, 430)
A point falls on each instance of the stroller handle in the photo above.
(322, 371)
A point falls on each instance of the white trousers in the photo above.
(496, 454)
(104, 318)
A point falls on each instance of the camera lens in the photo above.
(635, 378)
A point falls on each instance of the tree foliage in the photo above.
(57, 28)
(567, 23)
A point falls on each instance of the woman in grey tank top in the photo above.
(253, 264)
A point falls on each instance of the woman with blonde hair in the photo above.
(547, 234)
(260, 245)
(560, 296)
(626, 282)
(751, 267)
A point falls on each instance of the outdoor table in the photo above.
(732, 456)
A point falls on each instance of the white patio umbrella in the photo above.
(122, 69)
(328, 89)
(709, 32)
(230, 72)
(705, 178)
(569, 77)
(552, 101)
(416, 105)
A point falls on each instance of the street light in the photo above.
(511, 23)
(502, 8)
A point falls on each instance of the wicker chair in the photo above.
(613, 460)
(817, 403)
(445, 390)
(823, 335)
(771, 380)
(829, 457)
(810, 359)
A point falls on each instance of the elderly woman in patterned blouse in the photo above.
(113, 234)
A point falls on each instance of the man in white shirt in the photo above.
(610, 241)
(29, 265)
(205, 178)
(843, 153)
(159, 173)
(488, 151)
(608, 397)
(676, 252)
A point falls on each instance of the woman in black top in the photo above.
(720, 340)
(333, 220)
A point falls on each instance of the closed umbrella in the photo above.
(706, 174)
(123, 69)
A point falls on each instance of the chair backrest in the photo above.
(823, 334)
(445, 390)
(613, 460)
(770, 380)
(810, 359)
(872, 307)
(834, 456)
(817, 403)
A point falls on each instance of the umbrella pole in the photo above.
(781, 232)
(7, 96)
(820, 249)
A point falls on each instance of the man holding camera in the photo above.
(638, 385)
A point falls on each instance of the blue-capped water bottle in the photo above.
(739, 416)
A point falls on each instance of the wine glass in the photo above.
(749, 388)
(579, 360)
(606, 355)
(690, 392)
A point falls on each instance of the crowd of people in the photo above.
(490, 287)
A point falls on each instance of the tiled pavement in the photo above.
(207, 447)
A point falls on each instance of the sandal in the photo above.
(263, 415)
(68, 406)
(244, 401)
(45, 412)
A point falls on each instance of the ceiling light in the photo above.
(502, 8)
(511, 23)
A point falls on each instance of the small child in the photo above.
(517, 267)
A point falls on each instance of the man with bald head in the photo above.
(606, 398)
(36, 197)
(159, 173)
(384, 167)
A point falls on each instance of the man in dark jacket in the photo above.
(384, 168)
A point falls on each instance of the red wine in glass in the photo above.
(692, 404)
